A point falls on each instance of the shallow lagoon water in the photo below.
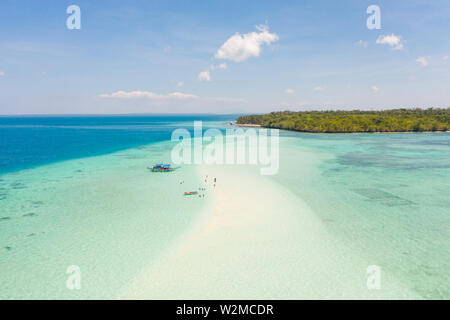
(384, 196)
(106, 214)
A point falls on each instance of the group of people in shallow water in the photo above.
(203, 189)
(215, 180)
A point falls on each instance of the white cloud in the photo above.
(204, 76)
(177, 102)
(174, 96)
(363, 44)
(148, 95)
(320, 88)
(180, 83)
(445, 58)
(2, 73)
(375, 89)
(289, 91)
(241, 47)
(222, 66)
(423, 61)
(395, 42)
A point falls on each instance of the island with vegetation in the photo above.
(395, 120)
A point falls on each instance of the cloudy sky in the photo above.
(222, 56)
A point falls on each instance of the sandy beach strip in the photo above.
(256, 240)
(248, 125)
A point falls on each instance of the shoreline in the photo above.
(248, 125)
(349, 132)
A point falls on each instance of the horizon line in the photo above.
(217, 114)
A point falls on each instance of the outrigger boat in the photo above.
(190, 193)
(159, 167)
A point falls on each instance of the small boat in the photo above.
(190, 193)
(159, 167)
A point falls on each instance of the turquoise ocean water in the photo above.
(74, 191)
(384, 195)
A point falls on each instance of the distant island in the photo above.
(395, 120)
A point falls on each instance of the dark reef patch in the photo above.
(385, 198)
(389, 161)
(37, 203)
(30, 214)
(17, 185)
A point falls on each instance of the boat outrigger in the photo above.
(159, 167)
(190, 193)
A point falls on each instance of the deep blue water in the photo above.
(30, 141)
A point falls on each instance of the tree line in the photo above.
(395, 120)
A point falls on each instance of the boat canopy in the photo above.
(162, 167)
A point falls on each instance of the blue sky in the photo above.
(147, 56)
